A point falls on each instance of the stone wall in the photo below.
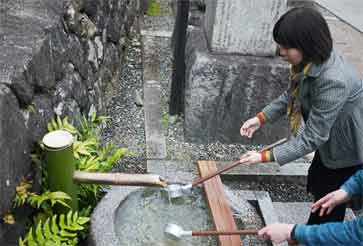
(57, 57)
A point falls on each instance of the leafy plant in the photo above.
(90, 156)
(90, 125)
(59, 124)
(38, 201)
(59, 230)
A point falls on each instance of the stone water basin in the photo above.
(137, 216)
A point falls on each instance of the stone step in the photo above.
(155, 140)
(290, 173)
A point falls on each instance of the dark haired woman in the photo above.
(324, 104)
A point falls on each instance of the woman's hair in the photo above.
(305, 29)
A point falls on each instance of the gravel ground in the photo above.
(279, 192)
(126, 128)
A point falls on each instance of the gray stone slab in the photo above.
(294, 173)
(242, 26)
(186, 171)
(298, 212)
(268, 211)
(223, 91)
(271, 168)
(155, 140)
(349, 11)
(174, 171)
(161, 33)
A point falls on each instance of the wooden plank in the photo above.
(218, 204)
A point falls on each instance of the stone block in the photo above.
(223, 91)
(155, 140)
(242, 26)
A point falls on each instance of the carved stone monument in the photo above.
(242, 26)
(232, 71)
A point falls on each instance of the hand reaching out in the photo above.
(250, 126)
(330, 201)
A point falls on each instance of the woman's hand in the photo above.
(330, 201)
(251, 157)
(276, 232)
(250, 126)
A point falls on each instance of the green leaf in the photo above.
(55, 228)
(50, 127)
(62, 222)
(83, 220)
(59, 122)
(65, 233)
(21, 242)
(54, 124)
(39, 234)
(30, 239)
(47, 231)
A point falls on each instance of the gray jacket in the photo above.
(332, 96)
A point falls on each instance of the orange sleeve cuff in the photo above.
(267, 156)
(261, 116)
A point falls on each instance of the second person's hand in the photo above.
(249, 127)
(330, 201)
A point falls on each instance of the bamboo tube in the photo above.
(119, 179)
(60, 165)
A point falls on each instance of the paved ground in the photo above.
(349, 11)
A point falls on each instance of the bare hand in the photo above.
(250, 126)
(251, 157)
(276, 232)
(330, 201)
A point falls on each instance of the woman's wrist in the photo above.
(267, 156)
(261, 117)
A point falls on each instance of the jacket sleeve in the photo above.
(276, 108)
(327, 99)
(343, 233)
(354, 185)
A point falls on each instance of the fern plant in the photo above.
(59, 230)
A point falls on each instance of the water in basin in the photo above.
(142, 216)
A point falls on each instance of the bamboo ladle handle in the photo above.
(234, 232)
(234, 164)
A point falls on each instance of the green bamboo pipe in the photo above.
(60, 165)
(62, 175)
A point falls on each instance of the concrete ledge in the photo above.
(155, 140)
(289, 173)
(271, 172)
(162, 33)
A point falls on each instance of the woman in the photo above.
(324, 104)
